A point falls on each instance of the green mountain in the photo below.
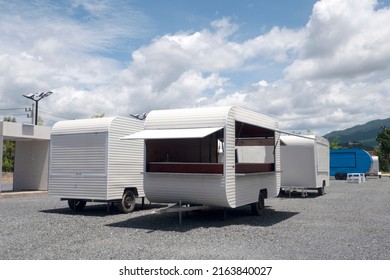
(359, 136)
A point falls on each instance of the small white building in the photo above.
(219, 156)
(89, 162)
(304, 163)
(31, 154)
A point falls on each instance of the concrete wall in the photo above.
(31, 165)
(31, 154)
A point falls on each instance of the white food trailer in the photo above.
(220, 156)
(304, 163)
(89, 163)
(374, 170)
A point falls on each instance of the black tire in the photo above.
(258, 207)
(127, 203)
(76, 205)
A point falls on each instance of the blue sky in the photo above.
(318, 65)
(253, 16)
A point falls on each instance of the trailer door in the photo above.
(78, 165)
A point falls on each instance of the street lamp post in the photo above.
(36, 97)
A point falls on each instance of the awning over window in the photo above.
(173, 133)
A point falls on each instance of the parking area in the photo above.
(351, 221)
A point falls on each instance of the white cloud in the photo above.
(343, 39)
(317, 105)
(234, 99)
(179, 70)
(277, 44)
(336, 67)
(262, 83)
(55, 45)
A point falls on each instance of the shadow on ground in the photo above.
(100, 210)
(299, 194)
(204, 219)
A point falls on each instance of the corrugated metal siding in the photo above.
(200, 188)
(82, 126)
(189, 188)
(323, 163)
(322, 154)
(125, 158)
(78, 166)
(230, 161)
(305, 162)
(247, 187)
(274, 190)
(78, 153)
(89, 161)
(187, 118)
(299, 168)
(78, 187)
(254, 118)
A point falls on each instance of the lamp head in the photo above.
(38, 95)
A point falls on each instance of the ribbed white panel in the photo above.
(275, 190)
(230, 161)
(227, 191)
(254, 118)
(89, 161)
(78, 153)
(249, 186)
(78, 166)
(304, 161)
(78, 187)
(125, 158)
(187, 118)
(244, 189)
(82, 126)
(189, 188)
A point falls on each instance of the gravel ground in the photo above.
(351, 221)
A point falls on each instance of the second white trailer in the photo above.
(304, 163)
(221, 156)
(89, 162)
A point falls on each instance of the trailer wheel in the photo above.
(127, 203)
(258, 207)
(76, 205)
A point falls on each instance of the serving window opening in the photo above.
(186, 155)
(254, 149)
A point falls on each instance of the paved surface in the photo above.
(351, 221)
(6, 187)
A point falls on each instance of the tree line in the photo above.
(8, 151)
